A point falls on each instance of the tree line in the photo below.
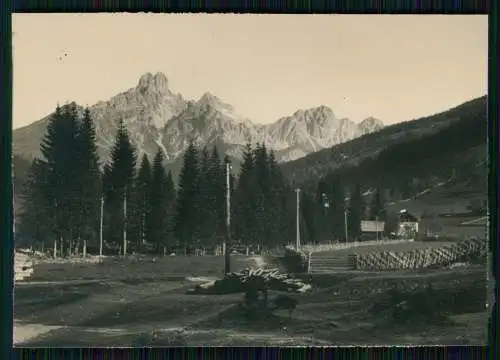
(68, 189)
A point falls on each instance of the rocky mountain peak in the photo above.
(158, 117)
(208, 99)
(153, 83)
(370, 124)
(313, 114)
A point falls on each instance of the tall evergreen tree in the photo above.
(212, 195)
(88, 181)
(378, 205)
(141, 202)
(323, 211)
(277, 209)
(119, 183)
(206, 214)
(336, 195)
(355, 214)
(157, 220)
(244, 200)
(34, 226)
(59, 152)
(170, 197)
(218, 194)
(261, 193)
(187, 208)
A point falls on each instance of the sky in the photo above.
(393, 67)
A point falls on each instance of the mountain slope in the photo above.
(158, 117)
(353, 153)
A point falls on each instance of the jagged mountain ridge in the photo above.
(158, 117)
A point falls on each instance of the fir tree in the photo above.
(218, 195)
(34, 226)
(355, 213)
(59, 153)
(336, 195)
(187, 208)
(276, 209)
(157, 220)
(377, 208)
(141, 202)
(244, 200)
(88, 181)
(323, 211)
(206, 214)
(261, 193)
(119, 183)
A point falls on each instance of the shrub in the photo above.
(294, 261)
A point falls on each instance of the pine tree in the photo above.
(355, 213)
(212, 196)
(218, 195)
(119, 183)
(187, 208)
(58, 148)
(377, 208)
(206, 215)
(34, 226)
(277, 209)
(261, 193)
(157, 220)
(323, 211)
(88, 181)
(244, 200)
(141, 202)
(337, 208)
(170, 195)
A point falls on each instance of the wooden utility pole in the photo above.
(125, 222)
(100, 225)
(345, 226)
(227, 259)
(297, 239)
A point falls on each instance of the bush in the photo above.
(294, 261)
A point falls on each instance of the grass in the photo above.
(148, 305)
(162, 269)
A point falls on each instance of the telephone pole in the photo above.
(100, 225)
(298, 219)
(227, 259)
(345, 225)
(125, 222)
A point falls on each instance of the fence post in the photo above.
(309, 263)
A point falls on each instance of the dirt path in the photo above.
(26, 332)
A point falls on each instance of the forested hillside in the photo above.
(319, 164)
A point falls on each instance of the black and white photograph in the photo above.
(250, 180)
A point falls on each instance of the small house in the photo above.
(407, 225)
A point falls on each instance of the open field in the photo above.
(120, 303)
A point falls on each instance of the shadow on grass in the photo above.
(41, 303)
(167, 308)
(36, 308)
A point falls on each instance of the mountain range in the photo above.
(157, 117)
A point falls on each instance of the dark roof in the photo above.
(407, 217)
